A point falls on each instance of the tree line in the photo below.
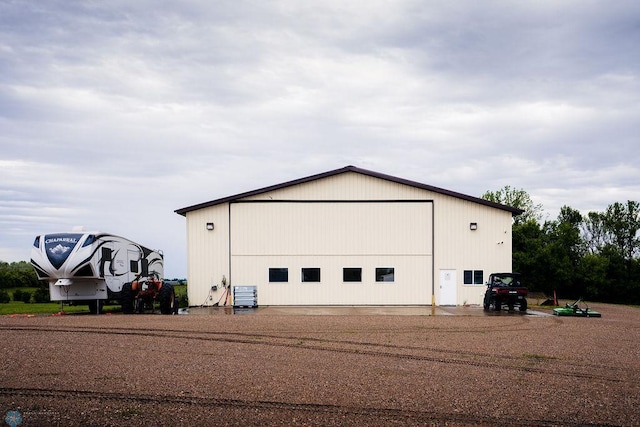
(594, 256)
(17, 275)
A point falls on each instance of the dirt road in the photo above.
(292, 369)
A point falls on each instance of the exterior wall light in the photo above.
(473, 226)
(209, 226)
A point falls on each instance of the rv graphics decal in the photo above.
(59, 246)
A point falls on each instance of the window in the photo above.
(106, 254)
(352, 275)
(473, 277)
(85, 271)
(278, 275)
(310, 274)
(385, 274)
(89, 240)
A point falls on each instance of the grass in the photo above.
(19, 307)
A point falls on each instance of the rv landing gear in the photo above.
(95, 306)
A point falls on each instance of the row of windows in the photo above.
(349, 274)
(354, 274)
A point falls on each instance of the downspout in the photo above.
(433, 262)
(229, 255)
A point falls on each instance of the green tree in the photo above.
(41, 295)
(17, 274)
(613, 243)
(593, 272)
(4, 297)
(548, 256)
(26, 297)
(622, 222)
(594, 232)
(519, 199)
(595, 256)
(563, 251)
(527, 246)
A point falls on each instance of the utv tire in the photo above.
(497, 305)
(167, 298)
(523, 305)
(126, 298)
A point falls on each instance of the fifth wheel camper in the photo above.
(91, 268)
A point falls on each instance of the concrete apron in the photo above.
(356, 311)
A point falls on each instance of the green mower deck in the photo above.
(575, 310)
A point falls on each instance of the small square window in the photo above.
(352, 275)
(385, 274)
(278, 275)
(468, 277)
(478, 277)
(473, 277)
(310, 274)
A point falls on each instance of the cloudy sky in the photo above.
(113, 114)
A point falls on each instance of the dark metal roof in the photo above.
(183, 211)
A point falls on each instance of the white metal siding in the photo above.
(297, 235)
(332, 236)
(348, 186)
(329, 228)
(207, 253)
(457, 247)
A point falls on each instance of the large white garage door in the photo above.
(385, 247)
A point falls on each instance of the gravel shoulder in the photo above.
(507, 369)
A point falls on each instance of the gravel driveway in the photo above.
(295, 369)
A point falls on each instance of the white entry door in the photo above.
(448, 287)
